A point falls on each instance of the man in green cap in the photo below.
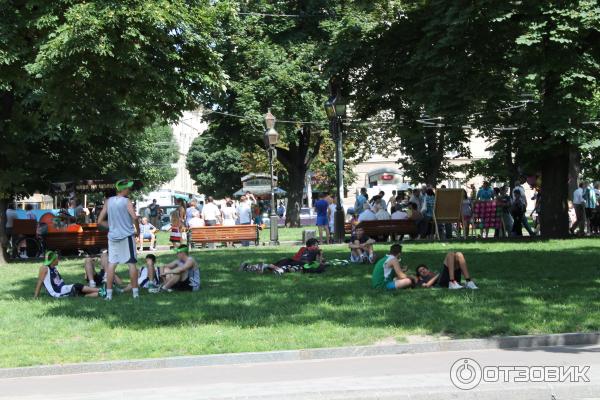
(50, 278)
(182, 274)
(121, 225)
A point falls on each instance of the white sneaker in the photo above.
(455, 285)
(471, 285)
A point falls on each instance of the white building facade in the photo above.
(189, 127)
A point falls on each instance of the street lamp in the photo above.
(271, 139)
(335, 107)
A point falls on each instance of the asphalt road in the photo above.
(414, 376)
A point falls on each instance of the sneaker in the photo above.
(471, 285)
(455, 285)
(155, 290)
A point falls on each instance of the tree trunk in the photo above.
(3, 238)
(295, 196)
(574, 169)
(554, 218)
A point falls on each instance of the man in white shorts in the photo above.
(121, 236)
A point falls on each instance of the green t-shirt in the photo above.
(379, 279)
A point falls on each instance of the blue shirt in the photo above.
(360, 202)
(146, 229)
(485, 194)
(322, 206)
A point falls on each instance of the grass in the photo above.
(526, 288)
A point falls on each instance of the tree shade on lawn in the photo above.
(525, 288)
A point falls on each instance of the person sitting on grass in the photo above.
(147, 232)
(361, 247)
(97, 279)
(148, 270)
(311, 253)
(50, 278)
(388, 274)
(183, 274)
(449, 276)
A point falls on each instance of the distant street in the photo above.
(414, 376)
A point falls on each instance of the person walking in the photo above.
(121, 235)
(523, 199)
(579, 205)
(153, 208)
(589, 195)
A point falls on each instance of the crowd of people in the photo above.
(487, 207)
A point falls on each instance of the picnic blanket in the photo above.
(487, 214)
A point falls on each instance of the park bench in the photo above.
(24, 227)
(90, 241)
(224, 234)
(385, 228)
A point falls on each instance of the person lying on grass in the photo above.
(388, 274)
(183, 274)
(455, 265)
(361, 247)
(50, 278)
(309, 254)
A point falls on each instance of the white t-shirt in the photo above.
(228, 213)
(245, 213)
(210, 212)
(387, 266)
(578, 196)
(367, 215)
(11, 215)
(522, 190)
(383, 215)
(332, 208)
(195, 222)
(399, 215)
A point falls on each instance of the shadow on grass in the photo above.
(534, 290)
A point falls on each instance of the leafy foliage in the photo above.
(81, 81)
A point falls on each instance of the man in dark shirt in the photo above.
(455, 265)
(361, 247)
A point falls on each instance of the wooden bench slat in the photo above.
(388, 227)
(217, 234)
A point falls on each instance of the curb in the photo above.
(501, 342)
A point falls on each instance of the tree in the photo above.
(554, 56)
(82, 79)
(274, 63)
(216, 167)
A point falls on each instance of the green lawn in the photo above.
(526, 288)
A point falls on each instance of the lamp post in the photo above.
(336, 111)
(271, 139)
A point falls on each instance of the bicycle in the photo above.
(24, 247)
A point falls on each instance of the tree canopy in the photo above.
(80, 82)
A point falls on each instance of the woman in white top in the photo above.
(228, 214)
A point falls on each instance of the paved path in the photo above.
(414, 376)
